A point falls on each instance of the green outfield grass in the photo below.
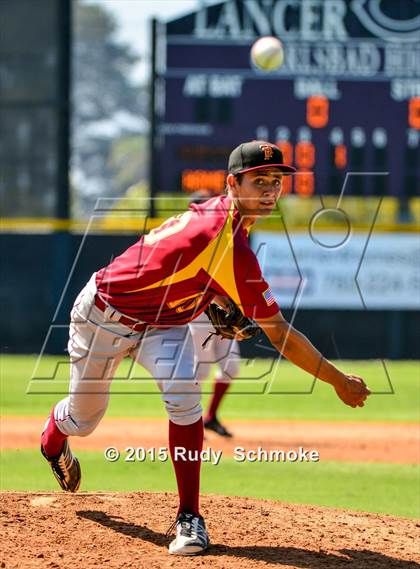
(287, 393)
(382, 488)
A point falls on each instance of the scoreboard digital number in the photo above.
(344, 107)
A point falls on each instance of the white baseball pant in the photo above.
(97, 345)
(222, 352)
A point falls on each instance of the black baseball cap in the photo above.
(201, 196)
(256, 155)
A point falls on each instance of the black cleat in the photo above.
(214, 425)
(65, 467)
(191, 535)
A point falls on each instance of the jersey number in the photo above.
(170, 227)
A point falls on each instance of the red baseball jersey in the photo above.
(171, 274)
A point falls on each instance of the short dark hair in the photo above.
(238, 178)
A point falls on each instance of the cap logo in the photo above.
(268, 151)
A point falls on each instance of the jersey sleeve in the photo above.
(257, 299)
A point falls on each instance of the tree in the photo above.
(109, 111)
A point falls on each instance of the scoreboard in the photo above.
(344, 107)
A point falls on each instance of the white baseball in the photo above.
(267, 53)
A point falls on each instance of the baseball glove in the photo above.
(231, 323)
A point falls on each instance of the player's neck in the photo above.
(246, 218)
(247, 222)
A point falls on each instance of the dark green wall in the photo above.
(37, 270)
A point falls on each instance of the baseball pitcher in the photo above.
(139, 304)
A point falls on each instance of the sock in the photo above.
(52, 439)
(220, 388)
(187, 472)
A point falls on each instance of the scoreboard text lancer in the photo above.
(345, 101)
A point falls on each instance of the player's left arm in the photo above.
(294, 345)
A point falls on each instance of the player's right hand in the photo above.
(353, 391)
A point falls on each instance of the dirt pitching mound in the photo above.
(60, 530)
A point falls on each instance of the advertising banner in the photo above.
(328, 270)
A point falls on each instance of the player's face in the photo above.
(257, 193)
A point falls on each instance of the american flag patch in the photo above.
(269, 297)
